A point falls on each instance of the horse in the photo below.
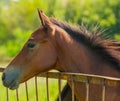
(66, 48)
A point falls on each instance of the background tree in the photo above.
(18, 18)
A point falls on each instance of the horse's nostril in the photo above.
(3, 76)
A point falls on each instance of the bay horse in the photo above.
(66, 48)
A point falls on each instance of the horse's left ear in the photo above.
(44, 19)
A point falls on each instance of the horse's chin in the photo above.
(13, 86)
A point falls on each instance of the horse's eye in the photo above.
(31, 45)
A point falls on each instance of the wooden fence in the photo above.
(73, 77)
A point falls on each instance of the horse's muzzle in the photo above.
(10, 78)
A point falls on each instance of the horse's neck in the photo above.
(75, 57)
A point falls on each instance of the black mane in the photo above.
(107, 49)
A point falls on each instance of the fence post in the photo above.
(36, 87)
(7, 93)
(87, 89)
(47, 87)
(103, 90)
(59, 86)
(17, 95)
(73, 89)
(26, 91)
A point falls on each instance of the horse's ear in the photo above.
(44, 19)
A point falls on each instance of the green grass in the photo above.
(42, 94)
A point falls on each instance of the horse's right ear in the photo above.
(40, 16)
(44, 19)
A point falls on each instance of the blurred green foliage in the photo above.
(18, 18)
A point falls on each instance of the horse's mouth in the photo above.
(12, 85)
